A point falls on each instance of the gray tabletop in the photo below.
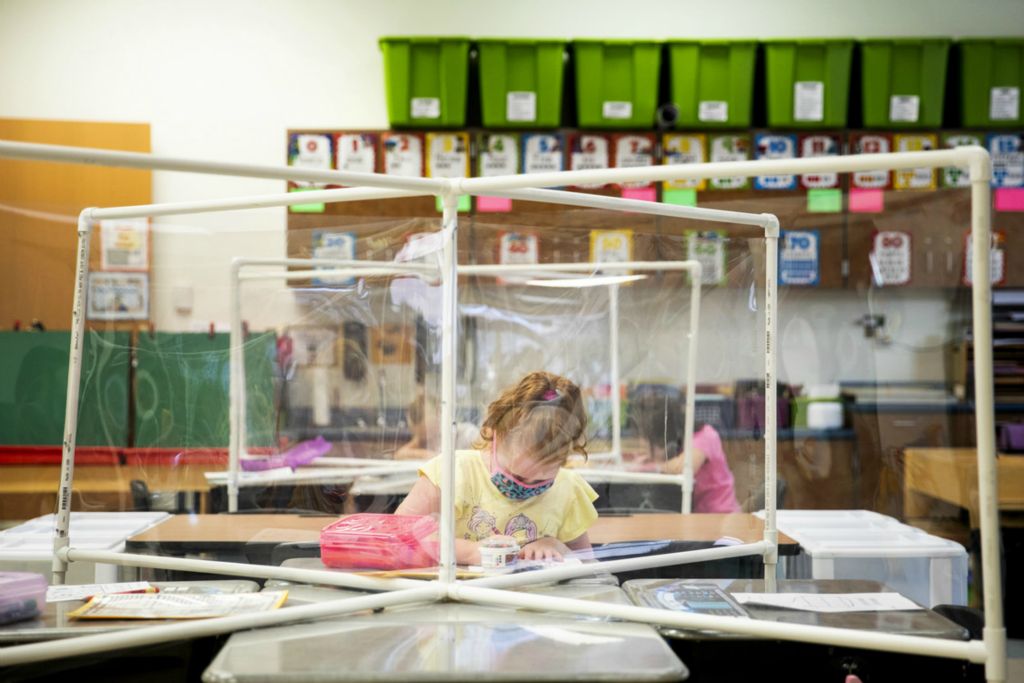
(923, 622)
(54, 623)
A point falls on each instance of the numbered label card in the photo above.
(447, 155)
(403, 154)
(590, 151)
(542, 153)
(1007, 159)
(499, 154)
(775, 146)
(957, 176)
(684, 148)
(914, 178)
(890, 258)
(356, 152)
(333, 245)
(707, 247)
(871, 143)
(312, 151)
(518, 247)
(632, 151)
(799, 256)
(996, 260)
(729, 148)
(819, 145)
(124, 244)
(611, 246)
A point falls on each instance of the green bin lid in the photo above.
(614, 41)
(808, 41)
(425, 40)
(523, 41)
(1004, 40)
(906, 41)
(712, 41)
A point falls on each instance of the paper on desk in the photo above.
(830, 602)
(87, 590)
(177, 605)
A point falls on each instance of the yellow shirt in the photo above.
(565, 511)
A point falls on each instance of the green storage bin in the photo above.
(521, 82)
(808, 82)
(991, 80)
(903, 82)
(712, 82)
(616, 83)
(426, 81)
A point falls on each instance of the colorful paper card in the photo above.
(590, 152)
(486, 204)
(890, 258)
(871, 143)
(516, 248)
(356, 152)
(914, 178)
(1009, 199)
(634, 150)
(825, 200)
(684, 148)
(729, 148)
(403, 154)
(681, 197)
(125, 244)
(799, 257)
(866, 201)
(611, 246)
(775, 146)
(543, 152)
(644, 194)
(314, 207)
(996, 262)
(1007, 159)
(957, 176)
(707, 247)
(499, 155)
(339, 246)
(819, 145)
(464, 205)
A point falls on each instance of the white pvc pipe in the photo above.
(236, 396)
(603, 476)
(973, 651)
(198, 628)
(449, 358)
(693, 334)
(311, 475)
(574, 571)
(253, 571)
(62, 520)
(103, 157)
(615, 399)
(771, 323)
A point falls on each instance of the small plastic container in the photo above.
(426, 80)
(22, 596)
(373, 541)
(498, 552)
(991, 80)
(808, 82)
(616, 83)
(903, 82)
(712, 82)
(521, 82)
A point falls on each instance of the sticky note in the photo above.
(866, 200)
(681, 197)
(825, 200)
(493, 204)
(1010, 199)
(463, 205)
(644, 194)
(307, 208)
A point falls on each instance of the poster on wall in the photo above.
(447, 155)
(118, 296)
(914, 178)
(542, 152)
(730, 147)
(312, 151)
(684, 148)
(1007, 159)
(799, 256)
(589, 152)
(124, 244)
(356, 152)
(403, 154)
(819, 145)
(890, 258)
(957, 176)
(996, 261)
(708, 247)
(871, 143)
(633, 150)
(775, 146)
(339, 246)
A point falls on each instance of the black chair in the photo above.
(970, 618)
(757, 502)
(141, 499)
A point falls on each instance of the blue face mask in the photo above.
(514, 490)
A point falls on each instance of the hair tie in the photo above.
(550, 395)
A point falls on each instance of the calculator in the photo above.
(695, 598)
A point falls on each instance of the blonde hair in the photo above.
(547, 414)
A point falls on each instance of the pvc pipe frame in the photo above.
(991, 650)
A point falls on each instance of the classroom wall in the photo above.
(225, 80)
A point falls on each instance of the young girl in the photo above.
(514, 484)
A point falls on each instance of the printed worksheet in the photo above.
(831, 602)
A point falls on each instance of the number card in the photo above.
(356, 152)
(447, 155)
(589, 152)
(1007, 159)
(118, 296)
(684, 148)
(542, 152)
(871, 143)
(799, 257)
(890, 258)
(333, 245)
(312, 151)
(729, 148)
(634, 150)
(957, 176)
(708, 247)
(499, 155)
(996, 260)
(819, 145)
(125, 244)
(775, 146)
(914, 178)
(403, 154)
(611, 246)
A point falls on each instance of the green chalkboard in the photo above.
(181, 390)
(33, 388)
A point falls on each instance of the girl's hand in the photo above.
(546, 548)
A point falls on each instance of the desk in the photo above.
(27, 491)
(187, 534)
(951, 475)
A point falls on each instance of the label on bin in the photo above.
(425, 108)
(707, 247)
(730, 148)
(403, 154)
(521, 105)
(357, 152)
(914, 178)
(590, 152)
(499, 155)
(1007, 160)
(871, 144)
(958, 176)
(542, 153)
(683, 149)
(634, 151)
(904, 108)
(809, 101)
(772, 146)
(798, 257)
(617, 110)
(996, 259)
(712, 110)
(819, 145)
(1004, 104)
